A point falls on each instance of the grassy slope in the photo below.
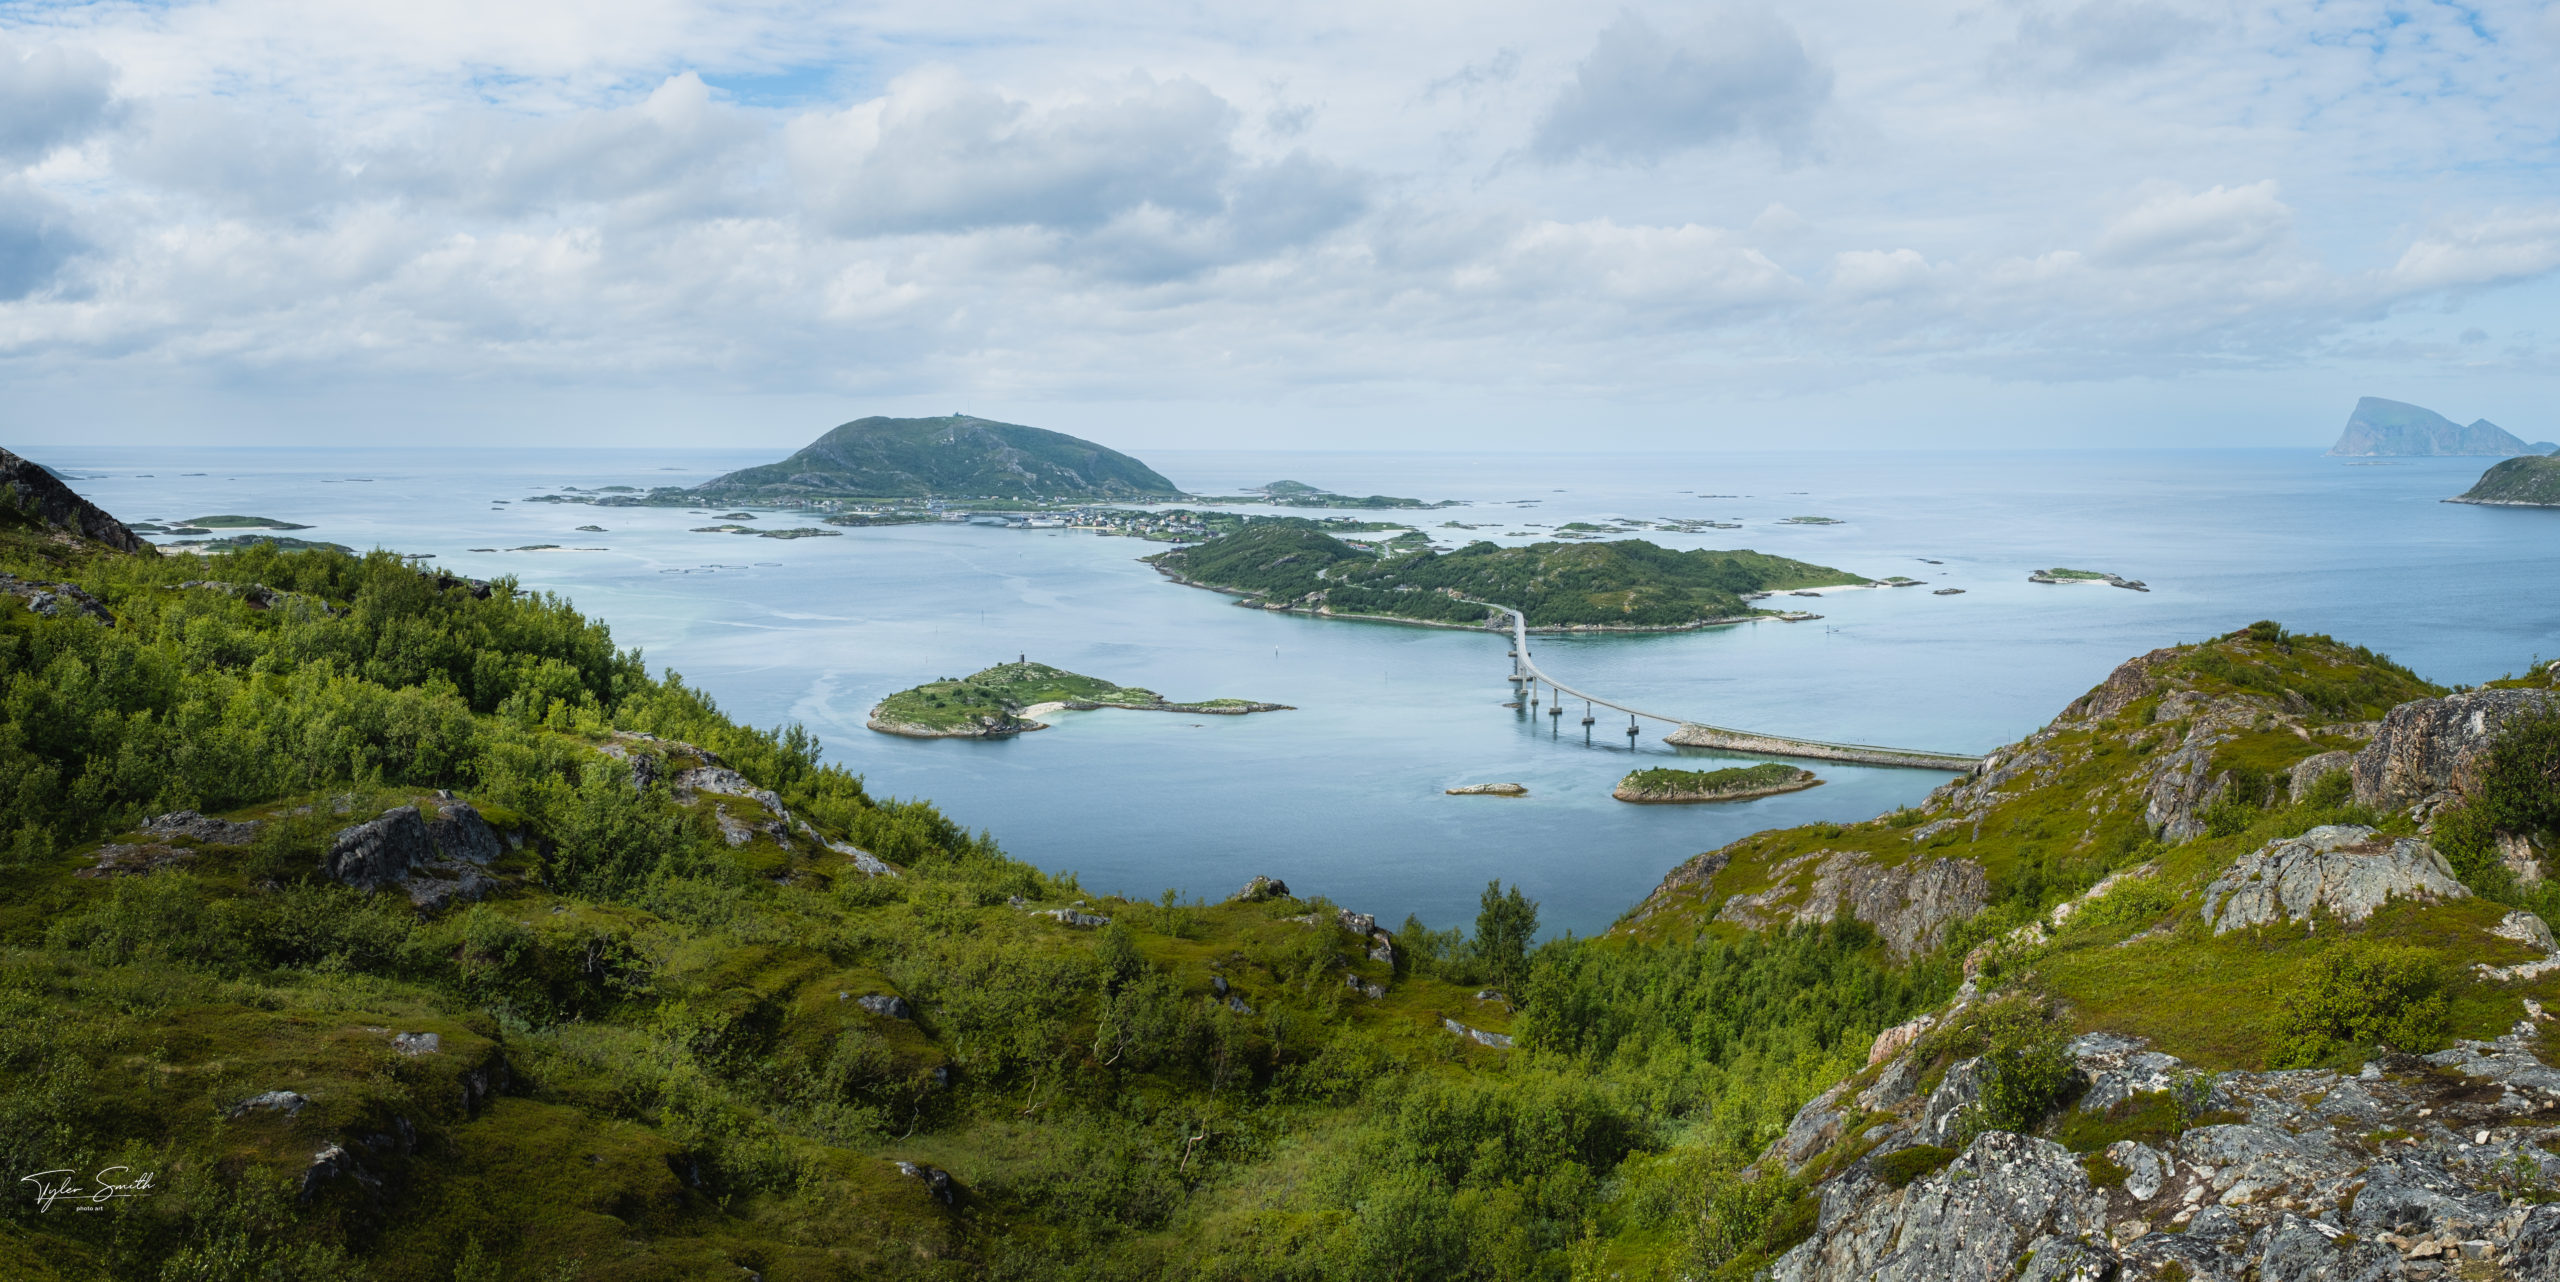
(2058, 829)
(688, 1091)
(1624, 582)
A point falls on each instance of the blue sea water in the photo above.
(1343, 796)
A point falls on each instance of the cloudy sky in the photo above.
(1327, 224)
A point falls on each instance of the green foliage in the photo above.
(2359, 994)
(2515, 795)
(1505, 923)
(2135, 901)
(1627, 582)
(1901, 1166)
(2026, 1065)
(2311, 671)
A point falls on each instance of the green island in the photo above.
(1005, 700)
(1621, 584)
(237, 522)
(1736, 783)
(238, 542)
(2530, 481)
(430, 937)
(955, 456)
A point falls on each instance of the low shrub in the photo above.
(2360, 994)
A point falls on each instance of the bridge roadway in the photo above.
(1692, 734)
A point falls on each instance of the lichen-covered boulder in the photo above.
(2004, 1196)
(2428, 746)
(2344, 868)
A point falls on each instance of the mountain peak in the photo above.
(2380, 428)
(33, 494)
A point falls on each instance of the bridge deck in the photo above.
(1694, 734)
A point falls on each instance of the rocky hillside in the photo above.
(364, 923)
(954, 457)
(2531, 481)
(2252, 986)
(33, 498)
(2380, 428)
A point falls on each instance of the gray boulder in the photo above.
(416, 1044)
(2343, 868)
(210, 831)
(1261, 888)
(2004, 1197)
(402, 849)
(886, 1006)
(381, 851)
(2535, 1252)
(2433, 745)
(285, 1102)
(460, 833)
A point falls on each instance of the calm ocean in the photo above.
(1342, 797)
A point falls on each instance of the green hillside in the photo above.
(1618, 583)
(2531, 481)
(952, 457)
(659, 996)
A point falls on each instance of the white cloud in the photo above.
(939, 153)
(2101, 37)
(1216, 203)
(49, 96)
(2171, 224)
(1642, 94)
(2502, 248)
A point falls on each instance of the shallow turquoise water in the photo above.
(1342, 796)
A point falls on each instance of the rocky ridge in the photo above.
(38, 497)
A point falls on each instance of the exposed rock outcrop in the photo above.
(38, 497)
(436, 863)
(1909, 904)
(53, 600)
(1489, 790)
(2006, 1198)
(2343, 868)
(2278, 1176)
(2429, 746)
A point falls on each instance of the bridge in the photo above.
(1526, 675)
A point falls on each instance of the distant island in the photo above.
(2380, 429)
(1005, 700)
(2531, 481)
(2060, 575)
(956, 456)
(237, 522)
(1665, 786)
(1301, 494)
(1619, 585)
